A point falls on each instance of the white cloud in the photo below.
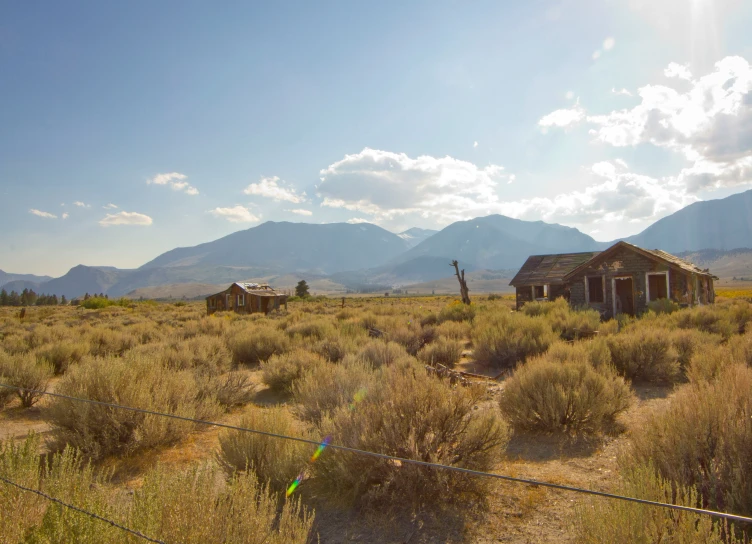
(40, 213)
(81, 204)
(357, 221)
(272, 188)
(110, 206)
(596, 54)
(608, 44)
(709, 123)
(236, 214)
(675, 69)
(300, 211)
(175, 180)
(617, 196)
(125, 218)
(562, 117)
(389, 186)
(622, 92)
(66, 215)
(475, 144)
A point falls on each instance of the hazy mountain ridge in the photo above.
(365, 256)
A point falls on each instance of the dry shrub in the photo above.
(323, 388)
(318, 329)
(707, 319)
(193, 506)
(645, 354)
(281, 371)
(503, 339)
(706, 364)
(145, 333)
(571, 397)
(443, 352)
(429, 319)
(741, 348)
(62, 354)
(739, 312)
(189, 507)
(25, 371)
(207, 355)
(108, 342)
(15, 344)
(254, 345)
(408, 336)
(608, 328)
(454, 330)
(65, 476)
(135, 381)
(274, 460)
(663, 306)
(231, 389)
(570, 324)
(379, 353)
(600, 520)
(334, 348)
(410, 415)
(457, 312)
(594, 351)
(687, 342)
(704, 439)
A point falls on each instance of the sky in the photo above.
(128, 129)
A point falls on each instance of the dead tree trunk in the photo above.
(464, 291)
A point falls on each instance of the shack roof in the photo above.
(256, 289)
(549, 269)
(653, 254)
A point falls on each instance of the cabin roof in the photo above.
(653, 254)
(549, 269)
(256, 289)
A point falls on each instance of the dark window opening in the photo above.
(595, 289)
(657, 286)
(539, 291)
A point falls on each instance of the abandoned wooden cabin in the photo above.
(621, 279)
(246, 298)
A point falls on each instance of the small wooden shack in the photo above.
(246, 298)
(622, 279)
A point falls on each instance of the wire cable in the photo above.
(82, 511)
(702, 511)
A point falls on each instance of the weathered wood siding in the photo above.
(524, 294)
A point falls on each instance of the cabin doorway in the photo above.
(623, 296)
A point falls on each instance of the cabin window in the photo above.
(657, 286)
(595, 287)
(540, 291)
(241, 300)
(228, 301)
(212, 302)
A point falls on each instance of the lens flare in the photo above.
(316, 454)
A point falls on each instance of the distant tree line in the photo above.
(28, 297)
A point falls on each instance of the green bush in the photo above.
(323, 388)
(26, 372)
(273, 460)
(569, 397)
(502, 339)
(598, 520)
(253, 346)
(408, 414)
(135, 381)
(97, 303)
(281, 371)
(644, 354)
(704, 439)
(443, 352)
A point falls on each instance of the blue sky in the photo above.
(175, 123)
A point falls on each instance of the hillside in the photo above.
(498, 242)
(7, 277)
(286, 247)
(414, 236)
(722, 224)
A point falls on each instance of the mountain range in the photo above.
(364, 256)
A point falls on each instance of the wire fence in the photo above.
(402, 460)
(81, 511)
